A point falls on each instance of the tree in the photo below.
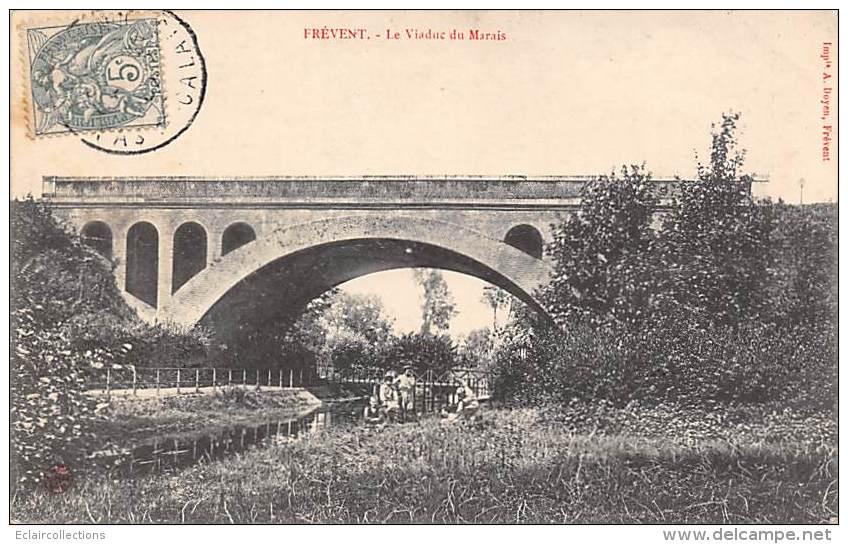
(476, 348)
(715, 240)
(291, 340)
(359, 314)
(438, 307)
(496, 298)
(358, 332)
(423, 352)
(601, 270)
(734, 299)
(348, 353)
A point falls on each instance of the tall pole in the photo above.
(801, 182)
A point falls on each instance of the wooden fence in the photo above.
(432, 391)
(135, 379)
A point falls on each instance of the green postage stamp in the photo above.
(95, 76)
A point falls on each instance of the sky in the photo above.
(403, 304)
(567, 92)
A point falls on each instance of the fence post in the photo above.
(178, 381)
(269, 377)
(291, 378)
(425, 391)
(243, 377)
(281, 378)
(135, 379)
(257, 379)
(197, 380)
(301, 377)
(431, 391)
(108, 380)
(157, 382)
(229, 377)
(214, 378)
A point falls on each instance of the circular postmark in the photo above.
(123, 82)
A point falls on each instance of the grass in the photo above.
(522, 466)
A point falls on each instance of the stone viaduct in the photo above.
(232, 252)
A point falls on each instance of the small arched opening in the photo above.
(526, 238)
(98, 236)
(235, 236)
(142, 274)
(189, 253)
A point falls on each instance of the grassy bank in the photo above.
(514, 466)
(130, 420)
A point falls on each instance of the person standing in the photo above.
(389, 396)
(406, 388)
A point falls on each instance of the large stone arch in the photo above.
(296, 263)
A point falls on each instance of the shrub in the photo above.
(732, 300)
(680, 358)
(803, 279)
(714, 244)
(68, 322)
(422, 351)
(600, 267)
(350, 354)
(54, 277)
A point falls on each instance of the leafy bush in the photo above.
(288, 341)
(54, 277)
(601, 265)
(732, 300)
(679, 358)
(68, 323)
(714, 245)
(422, 351)
(350, 354)
(803, 277)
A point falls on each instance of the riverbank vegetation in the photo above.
(585, 463)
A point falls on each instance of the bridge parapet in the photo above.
(362, 191)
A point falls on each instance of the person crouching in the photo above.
(374, 413)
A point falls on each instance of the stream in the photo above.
(176, 451)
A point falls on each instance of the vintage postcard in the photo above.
(424, 267)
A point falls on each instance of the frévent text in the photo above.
(826, 95)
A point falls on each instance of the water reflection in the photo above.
(172, 452)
